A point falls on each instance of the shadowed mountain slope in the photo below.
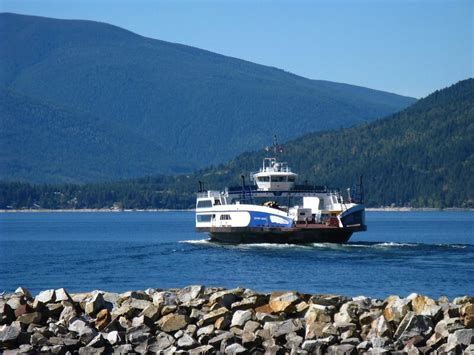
(422, 156)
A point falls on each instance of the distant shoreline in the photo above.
(108, 210)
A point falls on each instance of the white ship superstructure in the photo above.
(274, 209)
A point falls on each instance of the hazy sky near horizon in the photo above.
(407, 47)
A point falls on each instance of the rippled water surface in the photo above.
(402, 252)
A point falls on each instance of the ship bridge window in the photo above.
(203, 217)
(204, 204)
(291, 179)
(263, 178)
(278, 178)
(225, 217)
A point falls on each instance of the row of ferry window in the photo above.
(204, 204)
(276, 179)
(209, 217)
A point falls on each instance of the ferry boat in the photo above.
(274, 209)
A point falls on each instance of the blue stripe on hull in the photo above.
(262, 219)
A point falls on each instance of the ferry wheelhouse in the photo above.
(274, 209)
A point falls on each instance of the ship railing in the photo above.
(208, 194)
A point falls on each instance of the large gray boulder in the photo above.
(342, 349)
(138, 335)
(235, 349)
(211, 317)
(225, 298)
(94, 304)
(240, 318)
(162, 341)
(462, 338)
(189, 293)
(9, 335)
(30, 318)
(186, 342)
(81, 326)
(413, 325)
(347, 313)
(44, 297)
(165, 298)
(62, 295)
(278, 329)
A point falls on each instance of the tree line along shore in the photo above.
(108, 210)
(209, 320)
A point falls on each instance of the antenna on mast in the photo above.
(275, 145)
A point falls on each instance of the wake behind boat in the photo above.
(274, 209)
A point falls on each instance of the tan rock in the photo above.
(368, 317)
(301, 307)
(80, 298)
(252, 326)
(129, 295)
(222, 323)
(211, 317)
(381, 327)
(124, 322)
(318, 313)
(103, 318)
(264, 309)
(152, 312)
(168, 309)
(124, 310)
(314, 330)
(225, 298)
(396, 309)
(283, 302)
(30, 318)
(250, 302)
(172, 322)
(68, 313)
(467, 314)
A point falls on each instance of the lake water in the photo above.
(431, 253)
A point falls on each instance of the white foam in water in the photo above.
(315, 245)
(455, 246)
(273, 246)
(196, 241)
(393, 244)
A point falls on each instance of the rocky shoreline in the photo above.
(200, 320)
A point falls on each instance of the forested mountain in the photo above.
(84, 101)
(422, 156)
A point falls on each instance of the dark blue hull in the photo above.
(297, 235)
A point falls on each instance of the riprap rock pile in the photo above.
(199, 320)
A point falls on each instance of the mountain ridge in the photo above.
(180, 98)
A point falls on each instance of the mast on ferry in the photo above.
(274, 175)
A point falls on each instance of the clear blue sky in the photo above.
(407, 47)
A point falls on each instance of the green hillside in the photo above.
(422, 156)
(98, 91)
